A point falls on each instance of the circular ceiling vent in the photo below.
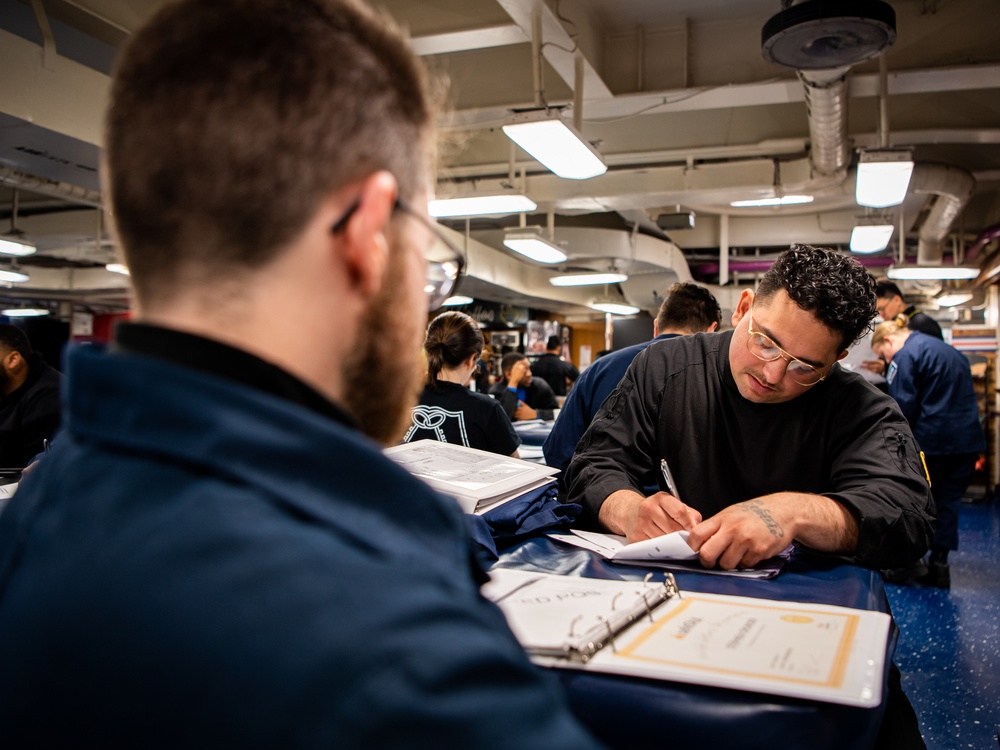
(822, 34)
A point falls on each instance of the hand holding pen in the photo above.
(681, 514)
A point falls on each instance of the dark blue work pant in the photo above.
(950, 476)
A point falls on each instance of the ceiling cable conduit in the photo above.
(74, 194)
(952, 187)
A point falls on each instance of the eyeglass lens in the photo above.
(764, 349)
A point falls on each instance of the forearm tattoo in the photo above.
(760, 510)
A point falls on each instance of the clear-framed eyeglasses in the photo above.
(445, 262)
(763, 348)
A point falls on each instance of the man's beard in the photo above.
(382, 376)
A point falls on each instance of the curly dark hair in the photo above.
(834, 287)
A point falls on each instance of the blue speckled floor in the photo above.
(949, 645)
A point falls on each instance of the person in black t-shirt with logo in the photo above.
(448, 411)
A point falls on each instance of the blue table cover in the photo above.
(629, 712)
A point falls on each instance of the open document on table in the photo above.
(670, 552)
(816, 651)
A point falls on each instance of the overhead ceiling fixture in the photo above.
(24, 312)
(613, 303)
(9, 245)
(554, 143)
(785, 200)
(117, 268)
(457, 300)
(12, 276)
(932, 273)
(951, 299)
(614, 308)
(587, 279)
(870, 238)
(13, 241)
(825, 35)
(495, 204)
(529, 242)
(883, 177)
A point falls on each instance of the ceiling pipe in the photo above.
(15, 178)
(761, 266)
(985, 238)
(952, 187)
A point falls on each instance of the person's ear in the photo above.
(712, 328)
(743, 306)
(365, 242)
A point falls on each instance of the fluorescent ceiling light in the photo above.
(883, 176)
(557, 145)
(529, 243)
(870, 238)
(785, 200)
(457, 300)
(615, 308)
(24, 312)
(10, 246)
(481, 205)
(117, 268)
(931, 273)
(15, 277)
(585, 279)
(954, 298)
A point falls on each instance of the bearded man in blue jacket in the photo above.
(216, 553)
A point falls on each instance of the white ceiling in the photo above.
(676, 94)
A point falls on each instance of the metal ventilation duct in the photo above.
(953, 187)
(822, 40)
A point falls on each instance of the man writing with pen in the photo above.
(768, 440)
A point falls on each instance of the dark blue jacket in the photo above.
(200, 564)
(591, 388)
(932, 383)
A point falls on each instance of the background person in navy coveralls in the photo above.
(687, 308)
(932, 383)
(216, 553)
(448, 411)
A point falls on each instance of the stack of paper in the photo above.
(478, 480)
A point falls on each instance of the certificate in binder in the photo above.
(802, 650)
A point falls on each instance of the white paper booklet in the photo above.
(670, 551)
(815, 651)
(479, 480)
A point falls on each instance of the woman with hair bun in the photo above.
(448, 411)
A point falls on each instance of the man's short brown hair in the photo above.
(688, 307)
(231, 120)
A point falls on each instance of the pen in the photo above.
(671, 485)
